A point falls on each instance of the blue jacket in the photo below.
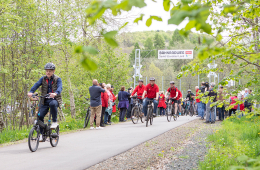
(123, 96)
(95, 95)
(39, 83)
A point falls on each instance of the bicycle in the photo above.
(136, 110)
(150, 115)
(191, 108)
(87, 117)
(34, 134)
(171, 110)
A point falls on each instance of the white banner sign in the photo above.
(175, 54)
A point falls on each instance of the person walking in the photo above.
(108, 112)
(198, 102)
(95, 104)
(210, 111)
(113, 103)
(221, 109)
(162, 104)
(233, 100)
(104, 99)
(123, 103)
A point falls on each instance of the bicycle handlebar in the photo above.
(45, 96)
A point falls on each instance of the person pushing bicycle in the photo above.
(52, 85)
(152, 91)
(190, 97)
(173, 94)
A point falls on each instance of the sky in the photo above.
(152, 8)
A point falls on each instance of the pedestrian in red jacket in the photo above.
(162, 104)
(104, 100)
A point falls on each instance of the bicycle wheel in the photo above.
(135, 115)
(54, 138)
(87, 118)
(140, 111)
(33, 139)
(191, 110)
(169, 113)
(151, 117)
(147, 117)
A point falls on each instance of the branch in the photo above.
(239, 56)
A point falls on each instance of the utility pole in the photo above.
(137, 65)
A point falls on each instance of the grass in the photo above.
(69, 125)
(236, 137)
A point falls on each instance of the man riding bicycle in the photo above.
(190, 97)
(52, 85)
(152, 91)
(139, 89)
(173, 95)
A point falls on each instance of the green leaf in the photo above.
(149, 20)
(219, 37)
(242, 158)
(178, 17)
(110, 34)
(139, 18)
(207, 28)
(190, 25)
(137, 3)
(78, 49)
(89, 64)
(166, 5)
(123, 25)
(111, 41)
(185, 2)
(90, 50)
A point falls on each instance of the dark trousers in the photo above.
(232, 110)
(129, 110)
(102, 115)
(109, 118)
(51, 104)
(122, 114)
(221, 111)
(162, 111)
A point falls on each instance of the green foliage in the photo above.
(159, 42)
(148, 45)
(176, 38)
(236, 138)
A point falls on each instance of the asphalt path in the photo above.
(83, 149)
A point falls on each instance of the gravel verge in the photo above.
(180, 148)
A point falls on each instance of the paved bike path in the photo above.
(83, 149)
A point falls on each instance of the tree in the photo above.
(148, 46)
(159, 41)
(176, 38)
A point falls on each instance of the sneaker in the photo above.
(180, 113)
(91, 128)
(207, 122)
(40, 140)
(212, 122)
(99, 128)
(103, 125)
(54, 125)
(107, 123)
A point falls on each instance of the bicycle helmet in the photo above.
(140, 80)
(172, 82)
(189, 90)
(49, 66)
(152, 79)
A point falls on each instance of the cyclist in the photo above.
(152, 91)
(173, 94)
(139, 89)
(51, 84)
(190, 97)
(179, 100)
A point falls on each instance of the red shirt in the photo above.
(104, 99)
(151, 90)
(172, 91)
(197, 93)
(162, 101)
(179, 95)
(233, 101)
(139, 90)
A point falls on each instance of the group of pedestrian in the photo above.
(209, 107)
(102, 104)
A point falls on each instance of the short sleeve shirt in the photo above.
(151, 90)
(172, 91)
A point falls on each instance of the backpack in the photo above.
(202, 89)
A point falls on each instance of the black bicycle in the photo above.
(171, 110)
(34, 135)
(87, 117)
(136, 110)
(150, 115)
